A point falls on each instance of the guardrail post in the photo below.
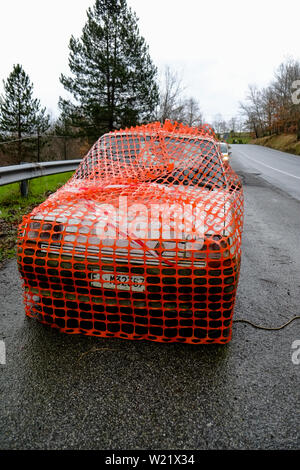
(24, 185)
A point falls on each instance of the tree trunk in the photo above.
(38, 147)
(298, 129)
(19, 141)
(19, 133)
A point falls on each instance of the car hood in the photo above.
(205, 211)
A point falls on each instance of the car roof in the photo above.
(161, 131)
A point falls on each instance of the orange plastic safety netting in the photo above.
(143, 242)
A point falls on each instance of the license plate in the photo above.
(119, 281)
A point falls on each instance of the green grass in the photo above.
(13, 206)
(12, 203)
(241, 139)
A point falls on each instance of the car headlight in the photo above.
(44, 230)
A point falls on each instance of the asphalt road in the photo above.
(71, 392)
(278, 168)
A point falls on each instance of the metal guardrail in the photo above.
(27, 171)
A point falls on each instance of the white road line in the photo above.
(268, 166)
(2, 353)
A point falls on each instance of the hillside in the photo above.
(286, 143)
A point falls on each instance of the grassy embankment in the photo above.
(242, 138)
(13, 206)
(285, 143)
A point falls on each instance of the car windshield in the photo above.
(194, 161)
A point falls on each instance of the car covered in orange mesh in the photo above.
(143, 242)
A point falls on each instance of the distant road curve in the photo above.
(279, 168)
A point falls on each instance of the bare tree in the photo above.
(232, 124)
(250, 119)
(219, 124)
(252, 110)
(268, 103)
(171, 104)
(288, 114)
(174, 105)
(272, 110)
(193, 114)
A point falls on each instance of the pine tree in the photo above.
(21, 114)
(114, 79)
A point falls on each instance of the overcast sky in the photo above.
(219, 46)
